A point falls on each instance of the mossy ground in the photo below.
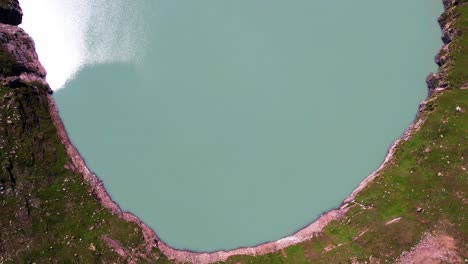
(49, 216)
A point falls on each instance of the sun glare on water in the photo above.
(70, 34)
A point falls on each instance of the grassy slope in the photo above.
(47, 214)
(440, 147)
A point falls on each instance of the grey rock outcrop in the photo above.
(20, 47)
(10, 12)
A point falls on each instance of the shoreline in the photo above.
(152, 240)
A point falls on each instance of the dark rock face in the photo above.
(442, 56)
(448, 34)
(432, 82)
(10, 13)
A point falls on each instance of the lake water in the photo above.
(232, 123)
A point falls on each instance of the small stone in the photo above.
(458, 109)
(428, 149)
(419, 209)
(440, 174)
(92, 247)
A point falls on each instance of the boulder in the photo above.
(21, 49)
(10, 12)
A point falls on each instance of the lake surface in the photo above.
(232, 123)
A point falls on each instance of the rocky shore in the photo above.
(20, 49)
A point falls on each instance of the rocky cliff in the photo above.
(21, 63)
(19, 48)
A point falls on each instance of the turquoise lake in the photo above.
(234, 123)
